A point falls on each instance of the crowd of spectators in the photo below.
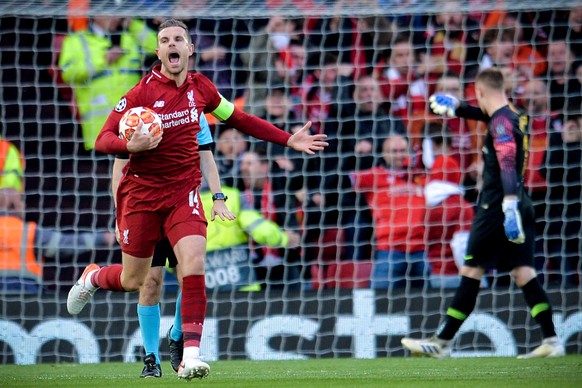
(365, 82)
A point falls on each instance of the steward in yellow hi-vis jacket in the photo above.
(228, 262)
(24, 247)
(101, 64)
(11, 178)
(11, 167)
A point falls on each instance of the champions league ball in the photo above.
(140, 119)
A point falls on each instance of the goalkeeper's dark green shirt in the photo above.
(504, 153)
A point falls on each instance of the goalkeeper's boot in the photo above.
(433, 347)
(193, 368)
(176, 350)
(151, 368)
(80, 293)
(550, 347)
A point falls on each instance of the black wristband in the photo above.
(219, 196)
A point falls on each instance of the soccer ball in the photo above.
(140, 118)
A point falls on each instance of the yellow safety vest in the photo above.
(11, 166)
(97, 85)
(248, 222)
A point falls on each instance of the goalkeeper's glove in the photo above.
(442, 104)
(512, 221)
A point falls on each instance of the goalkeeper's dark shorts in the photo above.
(163, 252)
(489, 247)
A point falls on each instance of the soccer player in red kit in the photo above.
(158, 194)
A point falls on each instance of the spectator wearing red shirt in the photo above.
(399, 82)
(397, 205)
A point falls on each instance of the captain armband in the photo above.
(224, 109)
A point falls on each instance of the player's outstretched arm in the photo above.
(446, 104)
(263, 130)
(304, 142)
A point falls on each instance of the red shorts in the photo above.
(146, 214)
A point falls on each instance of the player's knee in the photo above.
(193, 266)
(523, 275)
(152, 283)
(148, 295)
(472, 272)
(132, 284)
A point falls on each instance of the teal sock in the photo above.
(149, 323)
(176, 332)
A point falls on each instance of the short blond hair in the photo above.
(491, 78)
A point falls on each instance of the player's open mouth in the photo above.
(174, 58)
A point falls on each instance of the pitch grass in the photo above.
(383, 372)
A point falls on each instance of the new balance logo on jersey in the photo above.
(159, 104)
(126, 236)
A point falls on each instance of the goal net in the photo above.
(375, 261)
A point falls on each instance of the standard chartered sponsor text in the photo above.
(175, 118)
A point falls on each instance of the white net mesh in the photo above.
(343, 59)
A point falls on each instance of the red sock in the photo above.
(108, 278)
(193, 307)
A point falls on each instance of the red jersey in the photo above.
(176, 158)
(397, 205)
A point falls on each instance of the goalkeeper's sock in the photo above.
(176, 332)
(540, 307)
(149, 324)
(459, 310)
(193, 308)
(108, 278)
